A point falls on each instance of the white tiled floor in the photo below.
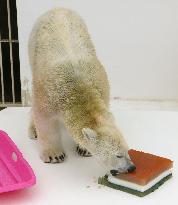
(74, 181)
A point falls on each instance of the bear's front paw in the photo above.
(52, 156)
(83, 152)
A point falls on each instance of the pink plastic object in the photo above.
(15, 172)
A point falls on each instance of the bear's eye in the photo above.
(119, 156)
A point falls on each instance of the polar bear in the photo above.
(71, 91)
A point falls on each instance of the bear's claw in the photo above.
(52, 157)
(83, 152)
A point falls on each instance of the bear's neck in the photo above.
(84, 115)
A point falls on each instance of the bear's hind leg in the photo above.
(31, 128)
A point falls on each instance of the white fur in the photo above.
(71, 90)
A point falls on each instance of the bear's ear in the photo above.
(89, 133)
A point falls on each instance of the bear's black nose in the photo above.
(131, 168)
(114, 172)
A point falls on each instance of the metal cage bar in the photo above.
(11, 56)
(2, 79)
(10, 39)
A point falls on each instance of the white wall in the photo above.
(137, 41)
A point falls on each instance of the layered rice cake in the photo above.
(151, 172)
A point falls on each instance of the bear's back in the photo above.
(59, 35)
(63, 59)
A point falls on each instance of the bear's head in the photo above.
(109, 147)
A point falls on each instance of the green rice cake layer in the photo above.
(104, 181)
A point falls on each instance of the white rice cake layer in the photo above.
(138, 187)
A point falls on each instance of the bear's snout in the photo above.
(130, 169)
